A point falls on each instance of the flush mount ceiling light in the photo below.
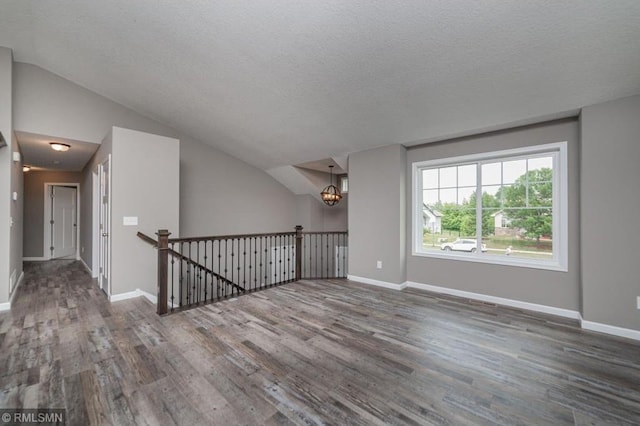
(26, 168)
(331, 195)
(60, 147)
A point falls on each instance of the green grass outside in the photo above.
(492, 241)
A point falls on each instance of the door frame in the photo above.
(47, 217)
(99, 231)
(95, 220)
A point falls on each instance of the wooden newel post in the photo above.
(163, 263)
(298, 252)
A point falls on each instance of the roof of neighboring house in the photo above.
(433, 212)
(497, 213)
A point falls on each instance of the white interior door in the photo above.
(104, 276)
(63, 221)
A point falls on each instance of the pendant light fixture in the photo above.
(331, 195)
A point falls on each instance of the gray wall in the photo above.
(145, 180)
(221, 195)
(48, 104)
(377, 213)
(335, 218)
(551, 288)
(146, 184)
(610, 204)
(34, 207)
(309, 213)
(5, 171)
(314, 215)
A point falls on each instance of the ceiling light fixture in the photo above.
(60, 147)
(331, 195)
(26, 168)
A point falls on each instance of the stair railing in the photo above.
(198, 270)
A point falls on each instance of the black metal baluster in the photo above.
(293, 257)
(321, 256)
(193, 275)
(280, 259)
(180, 280)
(272, 266)
(244, 262)
(199, 273)
(290, 257)
(233, 288)
(344, 254)
(263, 261)
(173, 261)
(188, 266)
(333, 255)
(224, 288)
(255, 262)
(206, 274)
(219, 270)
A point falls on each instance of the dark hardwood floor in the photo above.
(318, 352)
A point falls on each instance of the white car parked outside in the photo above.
(463, 244)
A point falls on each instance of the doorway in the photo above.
(61, 220)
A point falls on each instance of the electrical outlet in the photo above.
(379, 264)
(638, 303)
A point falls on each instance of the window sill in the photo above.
(496, 260)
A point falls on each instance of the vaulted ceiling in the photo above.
(284, 82)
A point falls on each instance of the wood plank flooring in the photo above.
(312, 352)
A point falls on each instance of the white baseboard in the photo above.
(551, 310)
(35, 259)
(378, 283)
(566, 313)
(131, 294)
(15, 289)
(6, 306)
(86, 266)
(610, 329)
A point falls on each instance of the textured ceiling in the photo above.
(285, 82)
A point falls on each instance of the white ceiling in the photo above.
(284, 82)
(37, 153)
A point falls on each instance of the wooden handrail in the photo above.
(228, 237)
(147, 239)
(180, 256)
(325, 233)
(240, 236)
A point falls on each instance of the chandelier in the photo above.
(331, 195)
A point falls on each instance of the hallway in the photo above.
(311, 352)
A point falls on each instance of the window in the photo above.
(344, 183)
(519, 219)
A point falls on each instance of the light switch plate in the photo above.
(130, 220)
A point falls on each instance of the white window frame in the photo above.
(557, 150)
